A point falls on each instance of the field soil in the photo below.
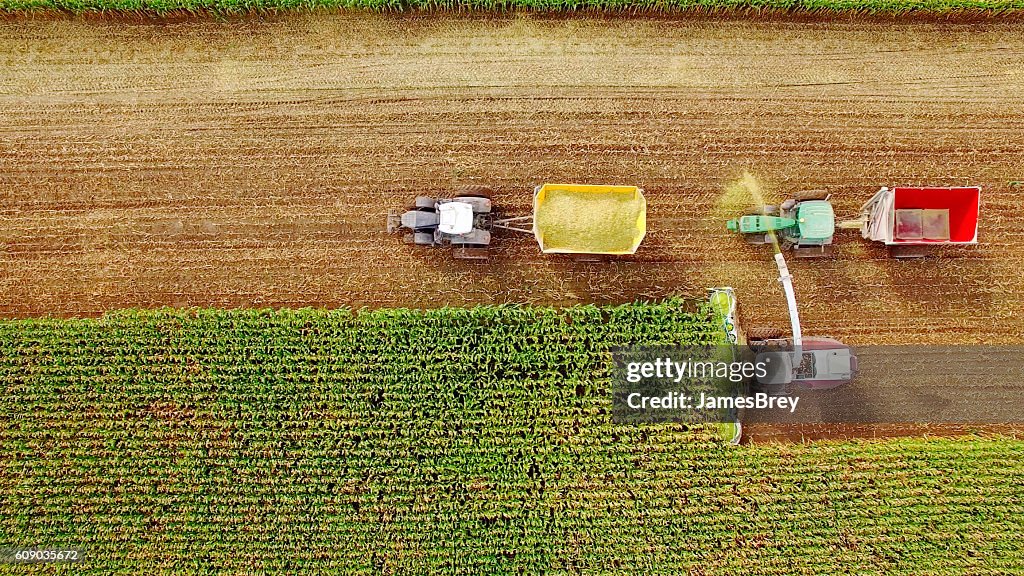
(251, 163)
(967, 389)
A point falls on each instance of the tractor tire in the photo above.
(805, 195)
(480, 204)
(770, 210)
(909, 252)
(803, 252)
(477, 190)
(471, 252)
(765, 333)
(756, 239)
(424, 203)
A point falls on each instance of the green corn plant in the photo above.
(448, 441)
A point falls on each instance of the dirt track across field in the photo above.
(252, 163)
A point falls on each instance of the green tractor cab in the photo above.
(816, 222)
(805, 224)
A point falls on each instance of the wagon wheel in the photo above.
(805, 195)
(909, 252)
(475, 190)
(765, 333)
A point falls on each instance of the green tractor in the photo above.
(804, 223)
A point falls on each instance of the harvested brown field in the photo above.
(252, 163)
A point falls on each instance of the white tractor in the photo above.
(463, 221)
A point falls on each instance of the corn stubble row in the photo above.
(751, 7)
(469, 441)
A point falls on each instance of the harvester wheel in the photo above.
(765, 333)
(805, 195)
(909, 252)
(475, 190)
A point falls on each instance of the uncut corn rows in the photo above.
(449, 441)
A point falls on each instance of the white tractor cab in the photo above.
(455, 218)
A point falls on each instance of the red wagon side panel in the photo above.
(963, 205)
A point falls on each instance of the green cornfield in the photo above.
(889, 7)
(452, 441)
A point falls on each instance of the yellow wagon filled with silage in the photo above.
(581, 219)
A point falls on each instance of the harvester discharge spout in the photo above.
(794, 316)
